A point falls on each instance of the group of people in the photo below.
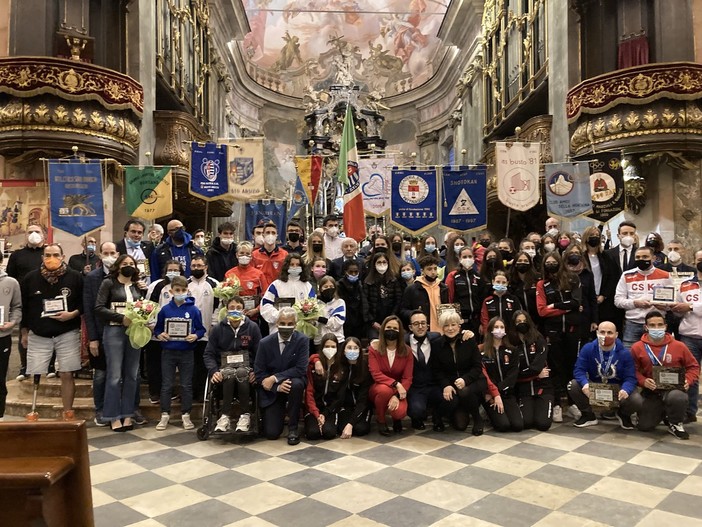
(455, 332)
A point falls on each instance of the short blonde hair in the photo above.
(449, 317)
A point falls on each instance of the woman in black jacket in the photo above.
(355, 415)
(604, 275)
(327, 379)
(522, 284)
(121, 286)
(383, 291)
(466, 288)
(457, 367)
(350, 290)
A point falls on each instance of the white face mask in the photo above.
(627, 241)
(35, 238)
(549, 247)
(269, 239)
(467, 263)
(244, 260)
(258, 239)
(530, 252)
(199, 241)
(552, 231)
(674, 257)
(458, 248)
(333, 232)
(382, 269)
(329, 353)
(226, 241)
(109, 261)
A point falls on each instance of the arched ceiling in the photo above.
(388, 46)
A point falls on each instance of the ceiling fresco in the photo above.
(385, 46)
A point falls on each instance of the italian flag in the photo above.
(354, 217)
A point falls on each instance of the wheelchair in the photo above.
(213, 403)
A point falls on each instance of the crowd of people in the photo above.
(521, 333)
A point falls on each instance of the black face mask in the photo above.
(391, 334)
(328, 294)
(643, 264)
(522, 327)
(396, 246)
(699, 267)
(430, 279)
(573, 259)
(485, 243)
(197, 273)
(317, 247)
(294, 237)
(506, 255)
(522, 267)
(593, 241)
(551, 268)
(651, 243)
(128, 271)
(491, 262)
(380, 250)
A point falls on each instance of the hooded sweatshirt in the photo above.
(10, 300)
(168, 250)
(220, 259)
(186, 310)
(676, 355)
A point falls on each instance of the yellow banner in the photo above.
(245, 169)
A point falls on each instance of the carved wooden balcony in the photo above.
(51, 104)
(645, 108)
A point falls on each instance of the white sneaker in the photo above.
(187, 423)
(21, 377)
(243, 424)
(557, 414)
(222, 424)
(163, 423)
(574, 412)
(51, 375)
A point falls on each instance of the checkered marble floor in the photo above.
(564, 477)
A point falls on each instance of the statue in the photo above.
(289, 54)
(77, 45)
(373, 101)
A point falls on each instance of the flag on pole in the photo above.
(149, 192)
(299, 198)
(309, 169)
(75, 191)
(354, 217)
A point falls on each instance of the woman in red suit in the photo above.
(391, 365)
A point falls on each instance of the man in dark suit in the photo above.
(349, 247)
(280, 369)
(425, 391)
(622, 258)
(132, 243)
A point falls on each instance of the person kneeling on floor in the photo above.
(229, 357)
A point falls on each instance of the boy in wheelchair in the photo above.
(229, 357)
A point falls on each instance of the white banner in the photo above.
(375, 184)
(517, 167)
(245, 169)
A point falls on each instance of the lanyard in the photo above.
(604, 372)
(653, 357)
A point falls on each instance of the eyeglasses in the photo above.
(419, 324)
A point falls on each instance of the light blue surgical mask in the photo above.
(407, 274)
(656, 334)
(172, 274)
(181, 297)
(353, 278)
(499, 288)
(91, 248)
(295, 271)
(430, 247)
(352, 353)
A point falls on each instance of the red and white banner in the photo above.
(517, 167)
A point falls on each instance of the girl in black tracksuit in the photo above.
(534, 390)
(522, 284)
(466, 288)
(327, 378)
(500, 303)
(350, 290)
(355, 414)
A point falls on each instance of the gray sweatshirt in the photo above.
(11, 300)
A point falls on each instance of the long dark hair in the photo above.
(402, 349)
(452, 259)
(336, 368)
(304, 275)
(487, 272)
(530, 276)
(360, 369)
(114, 273)
(513, 335)
(565, 279)
(489, 342)
(373, 276)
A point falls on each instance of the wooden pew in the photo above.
(45, 474)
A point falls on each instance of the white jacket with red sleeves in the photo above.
(638, 285)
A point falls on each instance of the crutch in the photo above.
(34, 415)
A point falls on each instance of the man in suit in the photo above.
(349, 247)
(622, 258)
(132, 243)
(425, 391)
(280, 368)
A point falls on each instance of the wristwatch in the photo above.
(394, 385)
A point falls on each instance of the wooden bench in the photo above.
(45, 474)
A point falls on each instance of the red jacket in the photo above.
(253, 281)
(269, 264)
(401, 371)
(677, 355)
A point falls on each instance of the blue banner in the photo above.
(208, 171)
(464, 206)
(264, 211)
(568, 189)
(299, 199)
(75, 191)
(414, 199)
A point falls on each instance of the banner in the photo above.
(375, 185)
(464, 206)
(354, 218)
(606, 185)
(149, 192)
(75, 193)
(568, 189)
(246, 172)
(517, 167)
(299, 199)
(208, 173)
(414, 199)
(263, 211)
(309, 169)
(23, 203)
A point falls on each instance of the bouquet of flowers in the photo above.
(142, 313)
(225, 291)
(308, 311)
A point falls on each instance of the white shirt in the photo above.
(391, 356)
(332, 247)
(426, 347)
(135, 252)
(596, 271)
(201, 290)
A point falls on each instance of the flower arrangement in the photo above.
(308, 311)
(225, 291)
(141, 313)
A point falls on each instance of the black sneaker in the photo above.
(678, 431)
(587, 419)
(418, 424)
(139, 418)
(624, 421)
(609, 415)
(690, 418)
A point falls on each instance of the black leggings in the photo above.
(5, 347)
(537, 411)
(362, 426)
(563, 351)
(243, 392)
(328, 430)
(465, 404)
(510, 420)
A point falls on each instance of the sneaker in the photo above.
(68, 415)
(557, 414)
(587, 419)
(609, 415)
(678, 431)
(139, 418)
(242, 425)
(163, 423)
(223, 424)
(574, 412)
(155, 399)
(99, 421)
(22, 375)
(51, 375)
(690, 418)
(624, 420)
(187, 423)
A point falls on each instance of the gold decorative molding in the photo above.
(174, 130)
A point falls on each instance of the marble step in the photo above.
(52, 387)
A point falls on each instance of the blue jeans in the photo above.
(632, 334)
(695, 346)
(184, 360)
(121, 374)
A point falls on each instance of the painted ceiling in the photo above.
(387, 46)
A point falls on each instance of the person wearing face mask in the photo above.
(295, 238)
(466, 288)
(87, 260)
(506, 248)
(327, 380)
(222, 255)
(383, 290)
(350, 289)
(231, 349)
(604, 360)
(19, 264)
(492, 262)
(355, 414)
(548, 245)
(381, 244)
(425, 294)
(655, 242)
(534, 390)
(604, 276)
(480, 245)
(634, 294)
(253, 282)
(575, 263)
(177, 246)
(523, 278)
(11, 302)
(407, 274)
(332, 240)
(132, 242)
(659, 348)
(428, 247)
(453, 250)
(349, 247)
(553, 227)
(675, 261)
(530, 247)
(199, 239)
(317, 270)
(500, 303)
(269, 257)
(501, 369)
(122, 360)
(397, 245)
(334, 318)
(43, 334)
(280, 368)
(257, 235)
(293, 284)
(622, 256)
(177, 352)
